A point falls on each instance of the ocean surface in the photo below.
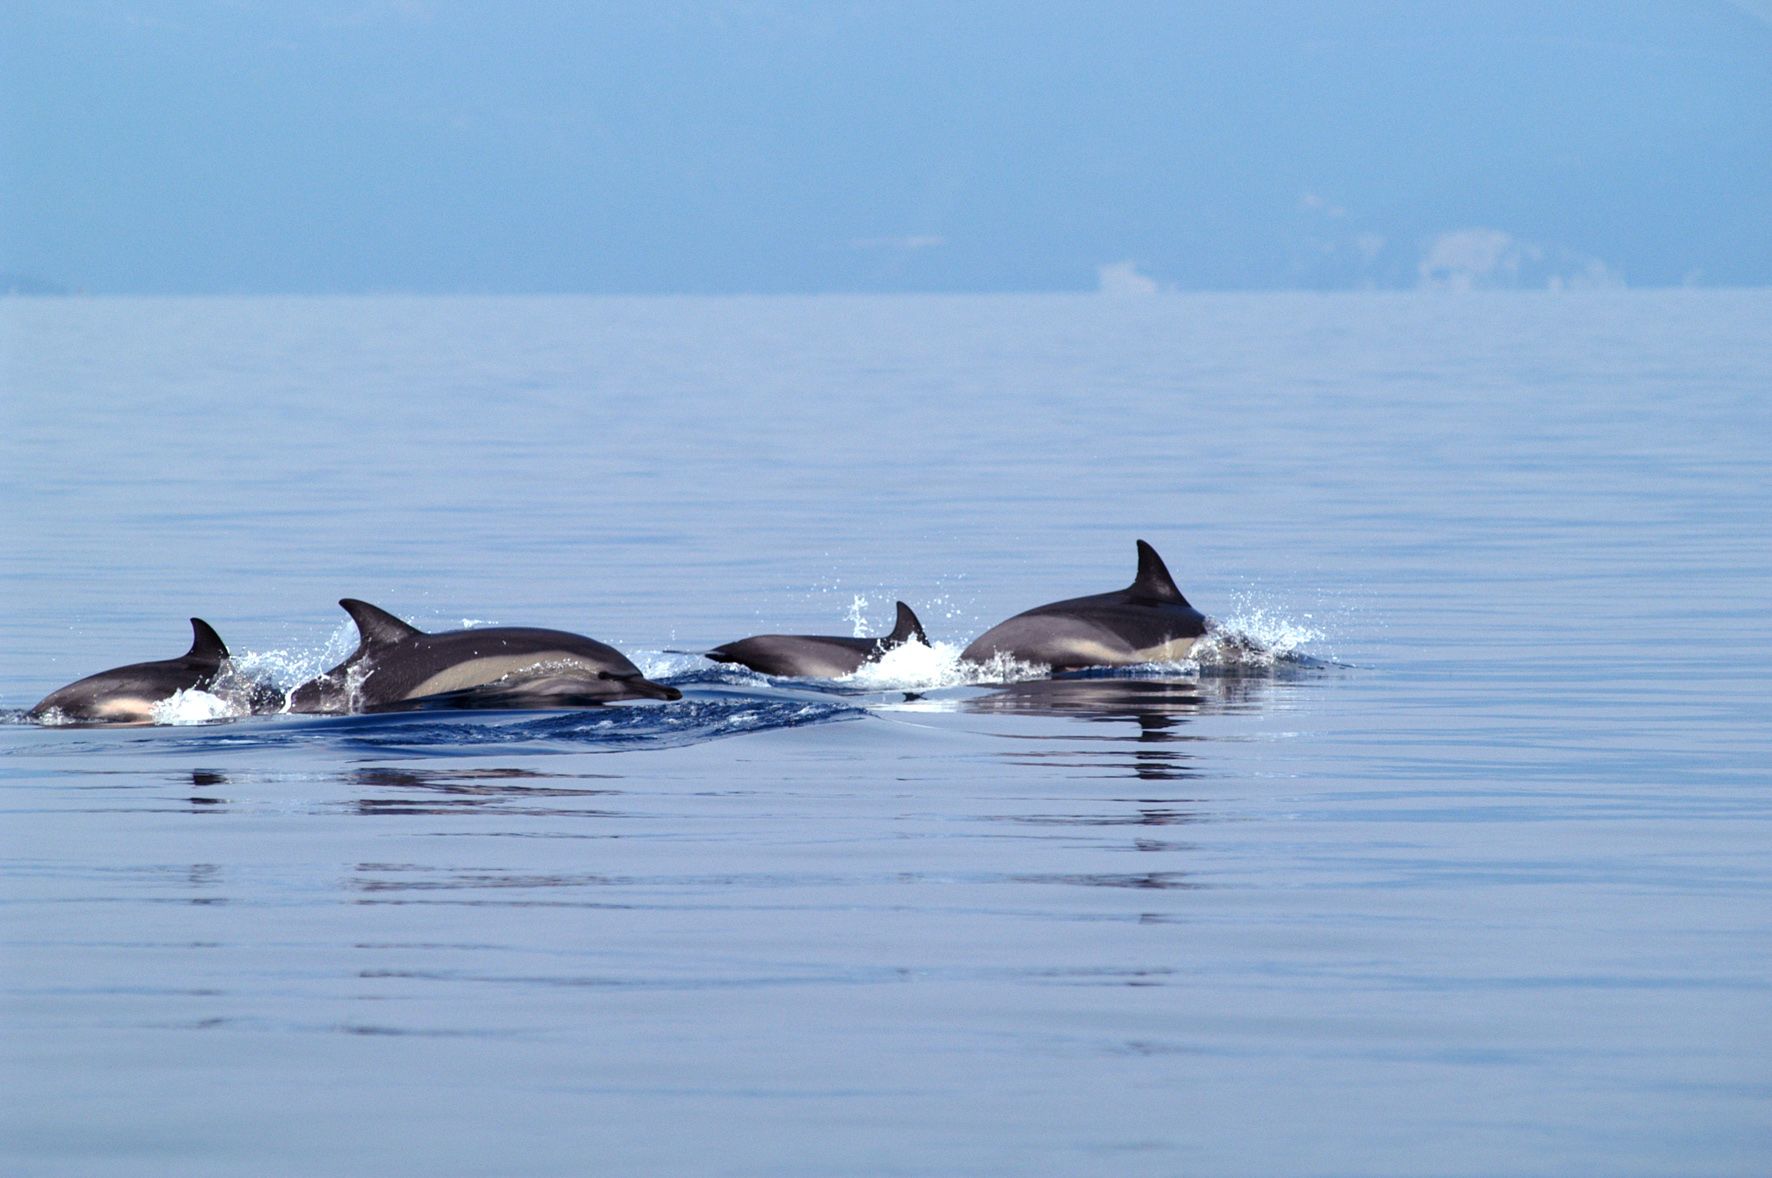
(1456, 861)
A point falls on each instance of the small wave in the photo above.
(616, 728)
(689, 722)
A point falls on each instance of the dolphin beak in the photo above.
(644, 688)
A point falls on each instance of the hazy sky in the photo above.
(751, 145)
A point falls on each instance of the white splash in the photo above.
(912, 666)
(857, 616)
(247, 675)
(1255, 637)
(662, 664)
(287, 668)
(193, 706)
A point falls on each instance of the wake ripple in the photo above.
(688, 721)
(696, 718)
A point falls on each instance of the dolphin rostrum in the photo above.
(817, 656)
(1149, 621)
(127, 695)
(396, 664)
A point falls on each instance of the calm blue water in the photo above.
(1473, 880)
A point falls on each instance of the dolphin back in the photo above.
(817, 656)
(1148, 621)
(128, 694)
(397, 666)
(907, 628)
(207, 648)
(1153, 583)
(798, 656)
(376, 627)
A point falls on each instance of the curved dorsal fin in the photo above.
(1153, 582)
(908, 627)
(376, 626)
(206, 644)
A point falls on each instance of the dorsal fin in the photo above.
(206, 644)
(1153, 582)
(908, 627)
(376, 626)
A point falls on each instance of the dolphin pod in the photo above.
(398, 666)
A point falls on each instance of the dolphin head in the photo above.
(637, 686)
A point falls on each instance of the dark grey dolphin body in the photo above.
(397, 666)
(817, 656)
(127, 695)
(1148, 621)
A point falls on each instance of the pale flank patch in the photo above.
(1083, 652)
(1176, 650)
(128, 709)
(492, 668)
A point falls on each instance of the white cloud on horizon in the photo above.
(1482, 258)
(1123, 280)
(907, 244)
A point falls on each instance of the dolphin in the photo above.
(817, 656)
(127, 695)
(396, 666)
(1148, 621)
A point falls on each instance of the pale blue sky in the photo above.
(425, 145)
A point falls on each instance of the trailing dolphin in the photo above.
(817, 656)
(398, 666)
(127, 695)
(1148, 621)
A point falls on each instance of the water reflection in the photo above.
(1158, 710)
(1157, 704)
(453, 791)
(1155, 881)
(202, 779)
(400, 790)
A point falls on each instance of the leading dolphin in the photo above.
(127, 695)
(1149, 621)
(396, 664)
(817, 656)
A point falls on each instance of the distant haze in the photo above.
(352, 145)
